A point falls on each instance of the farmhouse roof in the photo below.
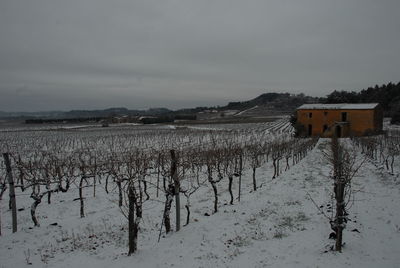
(338, 106)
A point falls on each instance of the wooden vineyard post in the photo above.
(2, 190)
(131, 220)
(12, 191)
(340, 185)
(240, 174)
(339, 191)
(174, 175)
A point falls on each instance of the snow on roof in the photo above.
(339, 106)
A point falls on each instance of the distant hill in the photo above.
(267, 104)
(270, 103)
(110, 112)
(278, 102)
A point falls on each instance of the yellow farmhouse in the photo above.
(342, 119)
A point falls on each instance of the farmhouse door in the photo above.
(338, 131)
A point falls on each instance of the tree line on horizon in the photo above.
(387, 95)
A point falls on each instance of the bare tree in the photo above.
(345, 166)
(276, 157)
(255, 154)
(214, 172)
(231, 162)
(190, 181)
(3, 188)
(11, 191)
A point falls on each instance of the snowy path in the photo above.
(278, 226)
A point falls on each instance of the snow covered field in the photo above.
(276, 226)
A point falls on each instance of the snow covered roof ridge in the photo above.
(340, 106)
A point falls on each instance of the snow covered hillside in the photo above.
(279, 225)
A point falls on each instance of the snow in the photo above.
(276, 226)
(51, 127)
(244, 111)
(339, 106)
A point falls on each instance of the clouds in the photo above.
(139, 54)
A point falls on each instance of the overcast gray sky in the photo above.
(88, 54)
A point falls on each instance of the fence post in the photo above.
(240, 174)
(12, 191)
(174, 175)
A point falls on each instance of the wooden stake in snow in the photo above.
(240, 174)
(3, 188)
(12, 191)
(339, 188)
(133, 223)
(345, 166)
(81, 198)
(174, 176)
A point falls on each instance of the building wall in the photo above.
(378, 118)
(359, 121)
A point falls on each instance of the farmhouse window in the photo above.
(310, 115)
(344, 117)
